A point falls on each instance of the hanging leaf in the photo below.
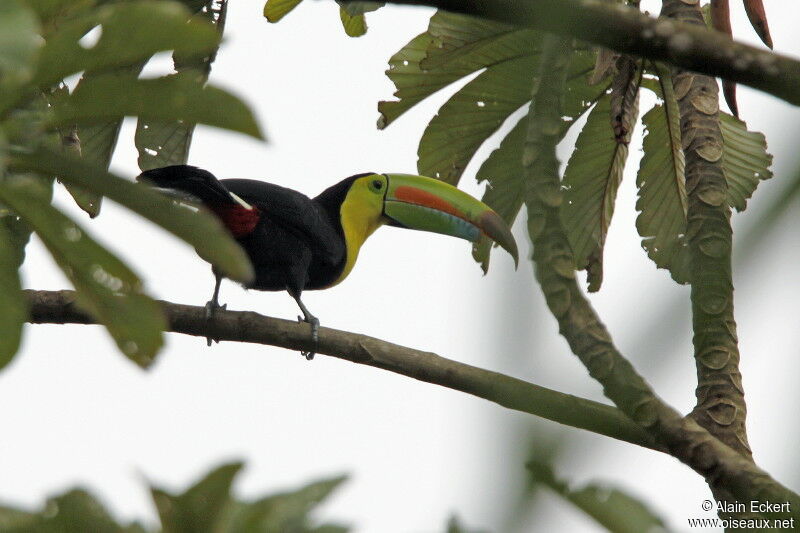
(473, 114)
(506, 190)
(611, 508)
(201, 230)
(97, 143)
(625, 97)
(352, 15)
(662, 201)
(591, 180)
(163, 143)
(354, 25)
(662, 193)
(453, 47)
(106, 288)
(744, 158)
(168, 98)
(131, 32)
(275, 10)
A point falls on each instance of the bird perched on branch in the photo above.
(297, 243)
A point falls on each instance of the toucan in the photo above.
(297, 243)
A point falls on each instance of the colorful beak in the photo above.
(426, 204)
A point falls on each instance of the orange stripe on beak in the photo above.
(415, 196)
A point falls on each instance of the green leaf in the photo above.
(19, 42)
(502, 170)
(662, 199)
(662, 194)
(201, 230)
(471, 115)
(505, 186)
(12, 300)
(744, 158)
(611, 508)
(131, 32)
(106, 287)
(286, 512)
(275, 10)
(453, 47)
(591, 180)
(352, 15)
(163, 143)
(200, 508)
(98, 140)
(171, 98)
(354, 25)
(77, 510)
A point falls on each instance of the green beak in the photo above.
(426, 204)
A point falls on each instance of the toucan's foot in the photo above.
(314, 323)
(211, 307)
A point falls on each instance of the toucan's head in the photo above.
(416, 202)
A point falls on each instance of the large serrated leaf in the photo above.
(505, 186)
(661, 181)
(163, 143)
(105, 286)
(662, 193)
(97, 143)
(453, 47)
(201, 230)
(611, 508)
(502, 170)
(744, 158)
(169, 98)
(467, 119)
(131, 32)
(591, 180)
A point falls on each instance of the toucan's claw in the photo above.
(211, 308)
(314, 323)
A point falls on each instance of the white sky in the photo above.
(77, 412)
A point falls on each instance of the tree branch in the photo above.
(627, 30)
(58, 307)
(720, 408)
(720, 465)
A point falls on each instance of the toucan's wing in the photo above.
(295, 212)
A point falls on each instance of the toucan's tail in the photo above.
(190, 182)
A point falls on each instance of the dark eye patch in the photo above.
(378, 184)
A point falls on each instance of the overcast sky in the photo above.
(77, 412)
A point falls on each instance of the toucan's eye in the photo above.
(377, 185)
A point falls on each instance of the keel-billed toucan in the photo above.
(297, 243)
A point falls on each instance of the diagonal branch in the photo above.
(578, 322)
(58, 307)
(627, 30)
